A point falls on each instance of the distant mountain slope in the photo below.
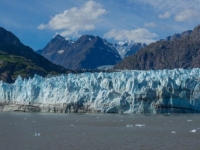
(54, 50)
(123, 47)
(128, 48)
(182, 52)
(18, 59)
(87, 52)
(135, 48)
(178, 36)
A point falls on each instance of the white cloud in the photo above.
(175, 8)
(186, 15)
(74, 20)
(150, 24)
(137, 35)
(164, 16)
(42, 26)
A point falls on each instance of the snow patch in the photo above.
(60, 51)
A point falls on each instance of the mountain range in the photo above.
(177, 51)
(18, 59)
(89, 52)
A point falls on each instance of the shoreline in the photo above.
(75, 108)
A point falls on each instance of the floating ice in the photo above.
(140, 125)
(72, 125)
(194, 130)
(173, 131)
(129, 125)
(189, 120)
(37, 134)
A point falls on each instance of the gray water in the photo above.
(40, 131)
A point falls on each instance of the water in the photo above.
(35, 131)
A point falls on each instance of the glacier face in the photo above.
(161, 91)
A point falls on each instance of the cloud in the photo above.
(150, 24)
(137, 35)
(74, 20)
(164, 16)
(186, 15)
(42, 26)
(175, 8)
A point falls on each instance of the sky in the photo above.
(36, 22)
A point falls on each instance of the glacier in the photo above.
(127, 91)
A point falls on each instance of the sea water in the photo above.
(34, 131)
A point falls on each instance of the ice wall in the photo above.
(118, 92)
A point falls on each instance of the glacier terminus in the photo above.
(127, 91)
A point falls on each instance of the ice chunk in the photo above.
(140, 125)
(173, 132)
(189, 120)
(37, 134)
(129, 125)
(194, 130)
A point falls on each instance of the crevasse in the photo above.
(126, 91)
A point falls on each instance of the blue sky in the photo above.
(36, 22)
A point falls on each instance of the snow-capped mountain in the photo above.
(136, 47)
(88, 52)
(123, 47)
(128, 47)
(55, 48)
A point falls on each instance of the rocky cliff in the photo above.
(182, 51)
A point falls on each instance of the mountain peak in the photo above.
(128, 47)
(196, 33)
(87, 37)
(58, 36)
(88, 52)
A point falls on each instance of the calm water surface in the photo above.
(40, 131)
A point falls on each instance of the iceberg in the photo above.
(127, 91)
